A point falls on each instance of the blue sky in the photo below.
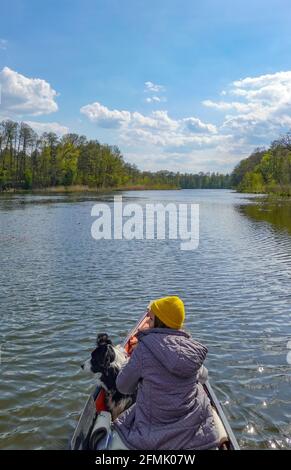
(182, 85)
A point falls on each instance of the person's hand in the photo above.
(145, 324)
(133, 342)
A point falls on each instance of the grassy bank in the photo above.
(87, 189)
(271, 191)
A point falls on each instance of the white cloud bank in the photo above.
(253, 112)
(157, 123)
(257, 106)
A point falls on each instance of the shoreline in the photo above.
(87, 189)
(83, 189)
(271, 196)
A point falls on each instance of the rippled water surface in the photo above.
(59, 287)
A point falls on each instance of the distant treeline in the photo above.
(266, 170)
(29, 161)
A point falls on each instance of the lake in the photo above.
(60, 287)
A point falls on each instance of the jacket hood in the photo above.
(175, 350)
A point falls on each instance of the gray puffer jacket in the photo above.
(172, 411)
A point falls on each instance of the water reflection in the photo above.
(277, 212)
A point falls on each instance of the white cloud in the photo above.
(195, 125)
(21, 95)
(164, 122)
(156, 99)
(153, 88)
(263, 109)
(155, 129)
(138, 120)
(41, 127)
(105, 117)
(227, 106)
(3, 44)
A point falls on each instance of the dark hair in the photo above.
(158, 323)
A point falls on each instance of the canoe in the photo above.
(96, 405)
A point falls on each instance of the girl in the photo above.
(171, 411)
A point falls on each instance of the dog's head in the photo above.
(102, 356)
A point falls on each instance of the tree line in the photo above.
(266, 170)
(31, 161)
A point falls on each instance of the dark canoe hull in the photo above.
(96, 403)
(232, 443)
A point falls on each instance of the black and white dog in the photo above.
(106, 361)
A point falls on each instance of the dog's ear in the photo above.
(102, 338)
(109, 357)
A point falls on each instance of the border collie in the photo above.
(106, 361)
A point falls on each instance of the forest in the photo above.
(29, 161)
(266, 170)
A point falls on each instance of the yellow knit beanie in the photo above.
(170, 310)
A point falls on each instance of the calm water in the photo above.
(59, 288)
